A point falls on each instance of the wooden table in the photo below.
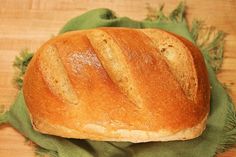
(29, 23)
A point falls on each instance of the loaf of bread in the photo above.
(118, 84)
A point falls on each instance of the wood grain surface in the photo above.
(29, 23)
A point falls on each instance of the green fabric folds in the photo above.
(219, 135)
(106, 18)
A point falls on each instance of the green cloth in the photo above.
(106, 18)
(219, 135)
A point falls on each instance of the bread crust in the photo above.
(99, 106)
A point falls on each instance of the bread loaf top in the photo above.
(118, 84)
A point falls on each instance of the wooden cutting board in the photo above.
(29, 23)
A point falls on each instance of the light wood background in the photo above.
(29, 23)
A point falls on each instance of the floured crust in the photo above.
(100, 133)
(92, 97)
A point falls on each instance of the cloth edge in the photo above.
(3, 114)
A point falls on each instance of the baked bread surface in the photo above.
(118, 84)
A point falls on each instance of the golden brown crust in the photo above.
(100, 107)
